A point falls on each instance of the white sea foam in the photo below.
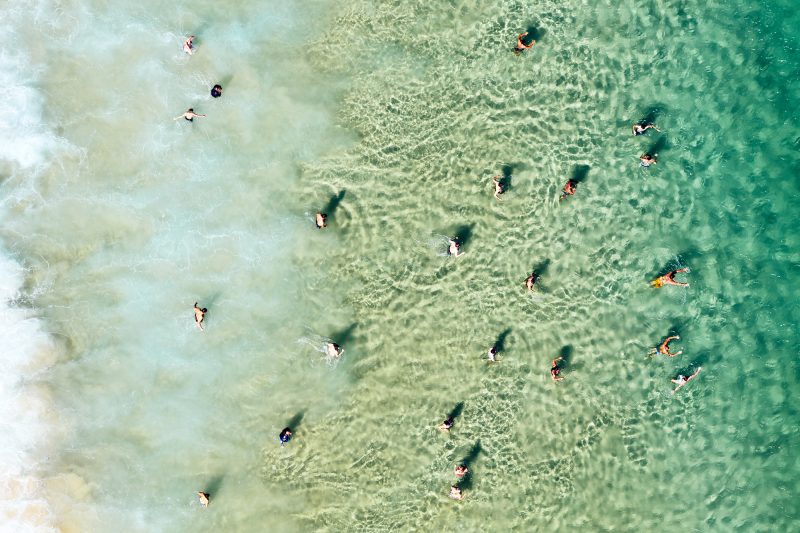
(25, 350)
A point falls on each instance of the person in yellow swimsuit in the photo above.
(669, 279)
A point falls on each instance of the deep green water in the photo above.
(403, 111)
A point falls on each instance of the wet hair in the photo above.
(190, 110)
(216, 91)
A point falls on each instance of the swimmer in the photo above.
(647, 160)
(555, 370)
(461, 471)
(641, 127)
(455, 493)
(446, 425)
(199, 316)
(188, 45)
(492, 354)
(204, 498)
(320, 220)
(521, 46)
(683, 380)
(669, 279)
(216, 91)
(569, 189)
(333, 350)
(530, 280)
(454, 249)
(499, 188)
(189, 115)
(664, 348)
(285, 436)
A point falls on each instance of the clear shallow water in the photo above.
(136, 216)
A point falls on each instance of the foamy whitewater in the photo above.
(393, 117)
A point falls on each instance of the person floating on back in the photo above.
(682, 380)
(216, 91)
(499, 188)
(333, 350)
(199, 316)
(454, 248)
(446, 425)
(669, 279)
(321, 220)
(646, 160)
(641, 127)
(285, 436)
(530, 280)
(664, 348)
(189, 115)
(204, 498)
(569, 189)
(188, 45)
(521, 46)
(555, 369)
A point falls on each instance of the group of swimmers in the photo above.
(334, 351)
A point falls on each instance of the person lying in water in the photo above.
(521, 46)
(669, 279)
(189, 115)
(664, 348)
(641, 127)
(682, 380)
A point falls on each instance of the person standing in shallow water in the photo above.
(285, 436)
(530, 280)
(199, 316)
(454, 248)
(333, 350)
(446, 425)
(647, 160)
(188, 45)
(521, 46)
(455, 493)
(569, 189)
(204, 497)
(555, 369)
(321, 220)
(216, 91)
(492, 354)
(499, 188)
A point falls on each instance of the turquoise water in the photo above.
(396, 115)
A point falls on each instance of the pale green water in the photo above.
(410, 108)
